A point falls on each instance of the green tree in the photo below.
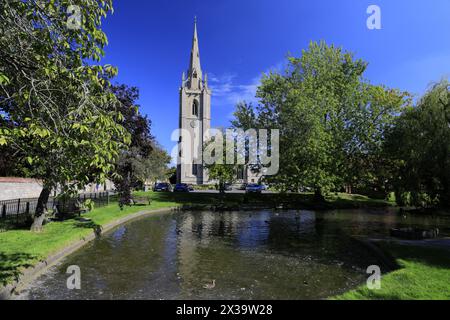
(220, 170)
(155, 167)
(171, 175)
(135, 169)
(223, 174)
(330, 118)
(60, 118)
(145, 159)
(419, 147)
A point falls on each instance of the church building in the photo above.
(195, 121)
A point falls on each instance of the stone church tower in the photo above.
(194, 119)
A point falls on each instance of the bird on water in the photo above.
(210, 286)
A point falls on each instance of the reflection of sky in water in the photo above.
(119, 233)
(251, 255)
(253, 232)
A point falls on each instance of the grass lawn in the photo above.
(21, 248)
(424, 275)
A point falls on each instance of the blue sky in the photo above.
(150, 42)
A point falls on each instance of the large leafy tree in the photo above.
(219, 169)
(222, 173)
(155, 166)
(53, 103)
(331, 120)
(140, 147)
(144, 159)
(419, 147)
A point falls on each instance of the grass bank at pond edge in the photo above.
(424, 274)
(268, 200)
(21, 249)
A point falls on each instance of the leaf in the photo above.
(4, 79)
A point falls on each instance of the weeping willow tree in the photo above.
(419, 146)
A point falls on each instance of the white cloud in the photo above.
(222, 85)
(227, 92)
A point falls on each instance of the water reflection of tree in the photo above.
(264, 256)
(122, 265)
(328, 241)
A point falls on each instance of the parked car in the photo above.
(228, 187)
(191, 187)
(243, 187)
(181, 187)
(162, 187)
(253, 188)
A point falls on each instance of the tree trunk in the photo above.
(124, 189)
(221, 187)
(348, 189)
(41, 210)
(445, 196)
(318, 196)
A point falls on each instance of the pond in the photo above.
(250, 255)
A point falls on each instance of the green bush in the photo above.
(205, 187)
(88, 205)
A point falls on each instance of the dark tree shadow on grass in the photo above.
(12, 265)
(436, 257)
(287, 200)
(232, 199)
(89, 224)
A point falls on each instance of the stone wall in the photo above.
(19, 188)
(95, 187)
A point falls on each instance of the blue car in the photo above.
(162, 187)
(254, 188)
(182, 187)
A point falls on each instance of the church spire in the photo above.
(195, 71)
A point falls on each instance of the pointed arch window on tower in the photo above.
(195, 108)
